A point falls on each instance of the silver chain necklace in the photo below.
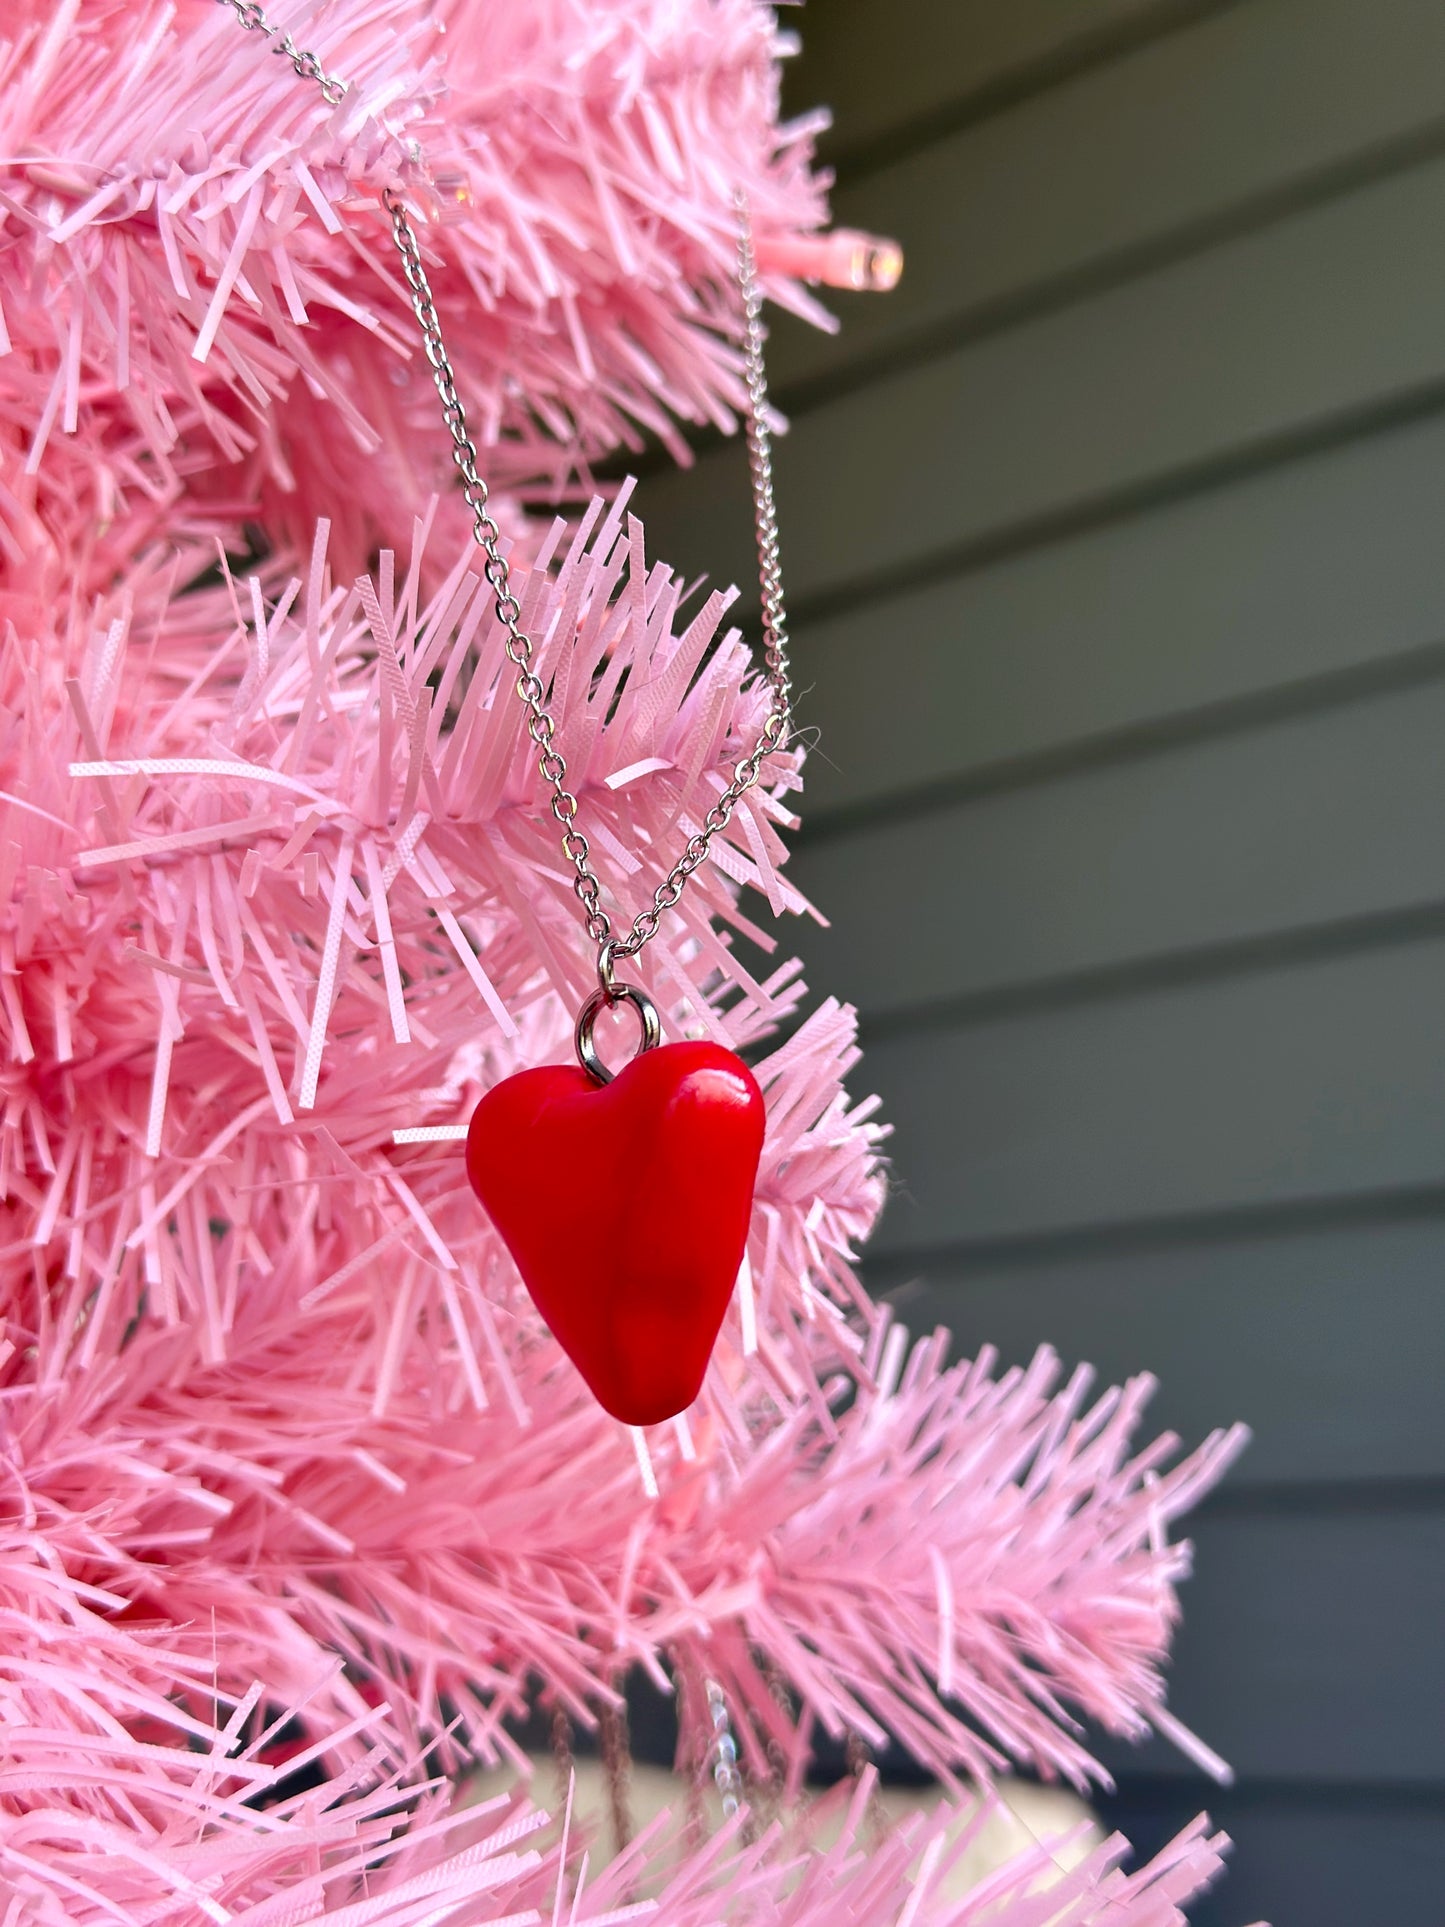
(531, 690)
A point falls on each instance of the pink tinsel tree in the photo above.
(285, 1450)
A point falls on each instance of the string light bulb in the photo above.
(842, 258)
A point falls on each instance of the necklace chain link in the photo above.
(722, 1750)
(252, 16)
(531, 690)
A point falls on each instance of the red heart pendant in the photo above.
(626, 1209)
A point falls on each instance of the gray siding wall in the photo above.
(1116, 543)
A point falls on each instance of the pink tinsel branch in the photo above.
(201, 302)
(294, 1361)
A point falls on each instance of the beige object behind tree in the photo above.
(1024, 1815)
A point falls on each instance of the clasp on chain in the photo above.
(608, 994)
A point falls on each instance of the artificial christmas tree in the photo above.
(304, 1503)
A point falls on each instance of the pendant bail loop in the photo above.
(602, 999)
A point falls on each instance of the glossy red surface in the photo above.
(626, 1209)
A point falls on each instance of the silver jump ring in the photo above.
(600, 1000)
(607, 982)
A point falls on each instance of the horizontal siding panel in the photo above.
(1326, 1865)
(1254, 341)
(1321, 818)
(1310, 1649)
(1309, 569)
(878, 72)
(1329, 1344)
(1114, 543)
(1321, 1081)
(1246, 104)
